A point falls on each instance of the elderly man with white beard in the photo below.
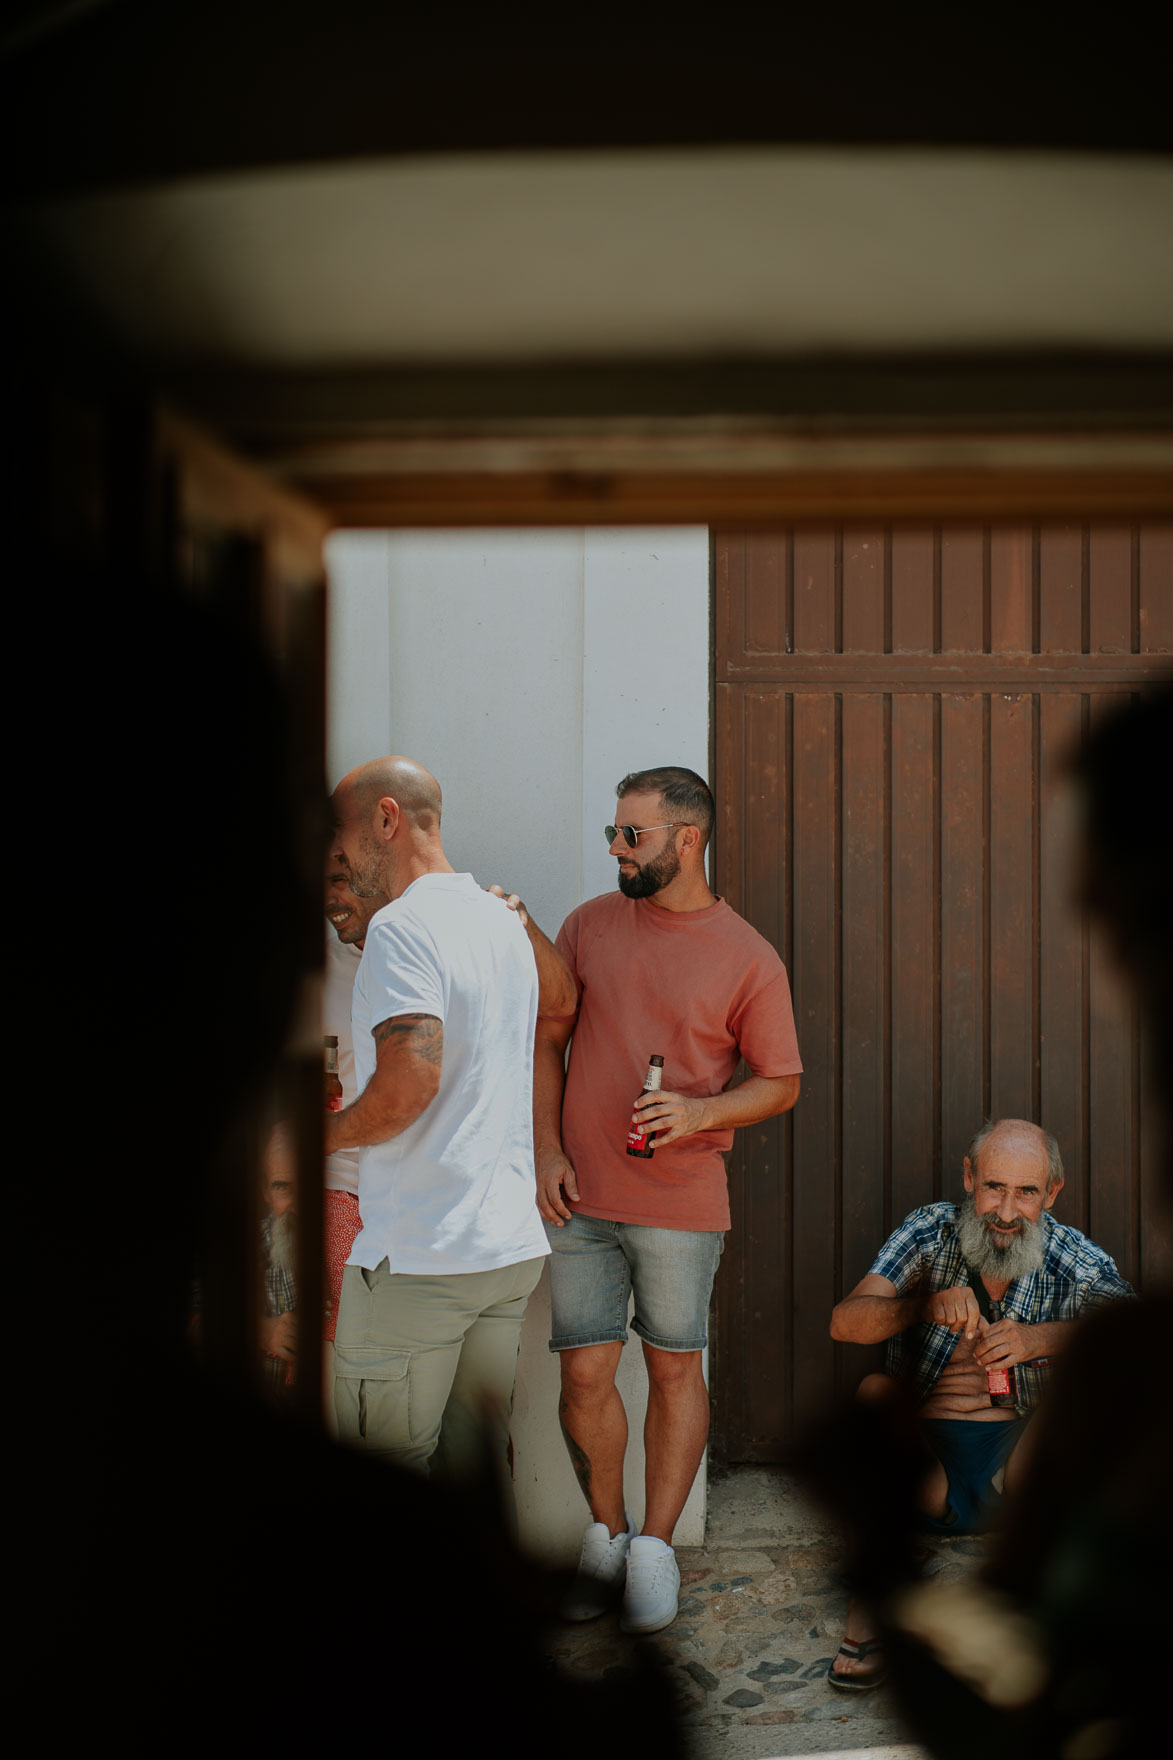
(974, 1301)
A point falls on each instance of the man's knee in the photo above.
(588, 1372)
(876, 1387)
(674, 1371)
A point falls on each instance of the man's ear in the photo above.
(692, 836)
(1052, 1194)
(968, 1173)
(386, 817)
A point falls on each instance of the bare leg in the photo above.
(1016, 1463)
(594, 1425)
(675, 1432)
(860, 1627)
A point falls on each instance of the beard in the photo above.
(1022, 1255)
(283, 1242)
(652, 877)
(365, 877)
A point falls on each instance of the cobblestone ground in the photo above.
(761, 1616)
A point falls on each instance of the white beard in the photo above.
(283, 1242)
(982, 1253)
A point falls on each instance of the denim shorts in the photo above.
(595, 1265)
(971, 1453)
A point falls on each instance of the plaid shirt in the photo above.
(279, 1298)
(924, 1254)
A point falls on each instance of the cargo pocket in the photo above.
(380, 1384)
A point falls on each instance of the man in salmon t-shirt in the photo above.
(663, 968)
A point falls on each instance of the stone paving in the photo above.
(761, 1616)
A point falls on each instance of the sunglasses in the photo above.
(631, 834)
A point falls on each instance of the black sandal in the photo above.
(857, 1651)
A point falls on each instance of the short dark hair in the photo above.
(682, 791)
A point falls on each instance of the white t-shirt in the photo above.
(341, 969)
(456, 1191)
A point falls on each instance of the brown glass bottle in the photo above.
(639, 1142)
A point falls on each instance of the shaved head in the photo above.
(414, 789)
(387, 827)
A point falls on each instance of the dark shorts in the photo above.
(971, 1454)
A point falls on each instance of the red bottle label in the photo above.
(637, 1137)
(334, 1103)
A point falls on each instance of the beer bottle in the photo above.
(638, 1141)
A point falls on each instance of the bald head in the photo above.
(1025, 1141)
(387, 826)
(414, 790)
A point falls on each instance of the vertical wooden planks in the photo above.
(765, 1209)
(729, 595)
(1010, 884)
(914, 610)
(766, 557)
(1061, 590)
(1112, 1144)
(814, 593)
(963, 561)
(1061, 986)
(815, 980)
(962, 954)
(728, 856)
(1156, 1243)
(864, 1031)
(863, 592)
(1110, 590)
(938, 968)
(765, 790)
(1011, 590)
(913, 953)
(1156, 601)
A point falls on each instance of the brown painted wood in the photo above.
(1009, 878)
(1155, 608)
(1062, 986)
(896, 712)
(865, 1035)
(815, 857)
(912, 939)
(863, 593)
(963, 592)
(1110, 591)
(1061, 554)
(914, 600)
(799, 498)
(963, 927)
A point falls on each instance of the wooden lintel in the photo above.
(634, 497)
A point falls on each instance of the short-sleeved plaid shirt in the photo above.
(924, 1253)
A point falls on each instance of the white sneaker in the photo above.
(653, 1586)
(601, 1564)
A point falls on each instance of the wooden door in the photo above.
(893, 714)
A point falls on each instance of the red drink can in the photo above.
(1003, 1386)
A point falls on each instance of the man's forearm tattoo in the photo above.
(422, 1034)
(580, 1460)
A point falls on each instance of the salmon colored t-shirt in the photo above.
(700, 989)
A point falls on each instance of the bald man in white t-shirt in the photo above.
(451, 1245)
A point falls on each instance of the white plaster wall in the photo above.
(529, 671)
